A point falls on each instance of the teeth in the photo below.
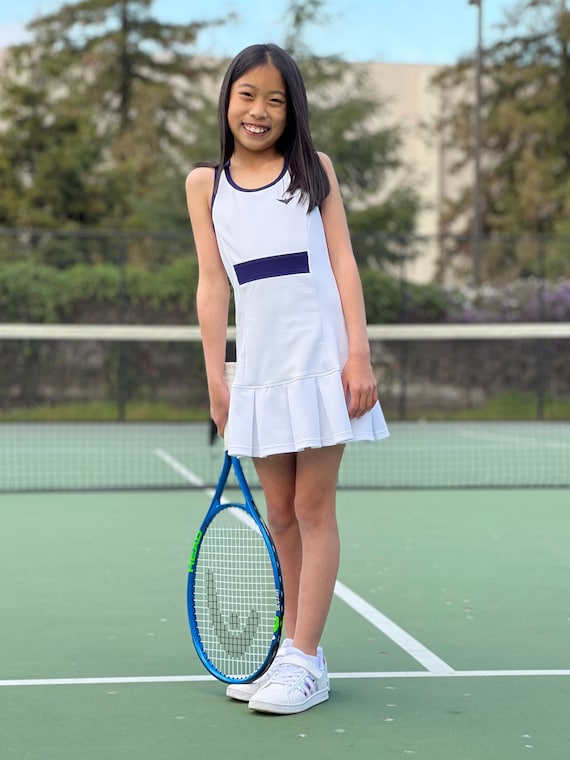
(255, 130)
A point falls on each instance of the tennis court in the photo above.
(448, 636)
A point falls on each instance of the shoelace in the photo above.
(273, 668)
(288, 674)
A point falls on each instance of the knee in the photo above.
(281, 516)
(313, 513)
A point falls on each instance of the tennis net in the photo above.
(125, 407)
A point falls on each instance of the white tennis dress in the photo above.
(291, 342)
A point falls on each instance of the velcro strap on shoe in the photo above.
(302, 662)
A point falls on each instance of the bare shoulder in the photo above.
(200, 181)
(328, 166)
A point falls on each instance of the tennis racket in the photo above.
(235, 589)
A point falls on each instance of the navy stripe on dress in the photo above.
(272, 266)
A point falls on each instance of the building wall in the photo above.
(414, 104)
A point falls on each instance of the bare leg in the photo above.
(315, 508)
(277, 477)
(300, 491)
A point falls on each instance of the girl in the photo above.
(269, 217)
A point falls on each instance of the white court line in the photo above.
(411, 646)
(134, 680)
(180, 469)
(401, 638)
(454, 674)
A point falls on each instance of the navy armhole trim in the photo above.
(272, 266)
(215, 186)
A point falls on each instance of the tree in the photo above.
(526, 135)
(107, 75)
(107, 108)
(366, 156)
(50, 169)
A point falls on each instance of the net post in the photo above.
(121, 347)
(404, 345)
(541, 354)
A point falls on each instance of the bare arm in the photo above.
(358, 379)
(213, 294)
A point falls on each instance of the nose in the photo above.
(258, 109)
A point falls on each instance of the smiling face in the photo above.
(257, 109)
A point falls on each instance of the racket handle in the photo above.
(229, 374)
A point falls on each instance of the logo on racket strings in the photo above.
(235, 639)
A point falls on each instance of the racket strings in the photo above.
(235, 597)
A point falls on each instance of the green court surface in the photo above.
(448, 638)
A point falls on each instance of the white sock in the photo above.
(310, 657)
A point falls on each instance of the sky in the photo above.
(393, 31)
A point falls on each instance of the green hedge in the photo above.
(103, 293)
(98, 293)
(389, 301)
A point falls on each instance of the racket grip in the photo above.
(229, 374)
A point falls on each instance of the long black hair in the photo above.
(296, 143)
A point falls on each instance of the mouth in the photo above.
(255, 129)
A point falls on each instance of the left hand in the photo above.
(359, 385)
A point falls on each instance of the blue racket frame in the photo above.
(251, 510)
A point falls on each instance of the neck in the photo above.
(255, 160)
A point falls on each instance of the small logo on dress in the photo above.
(285, 200)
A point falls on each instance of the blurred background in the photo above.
(449, 127)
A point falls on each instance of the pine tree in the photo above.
(131, 86)
(526, 136)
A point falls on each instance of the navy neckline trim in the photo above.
(253, 189)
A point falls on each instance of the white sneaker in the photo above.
(243, 692)
(296, 685)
